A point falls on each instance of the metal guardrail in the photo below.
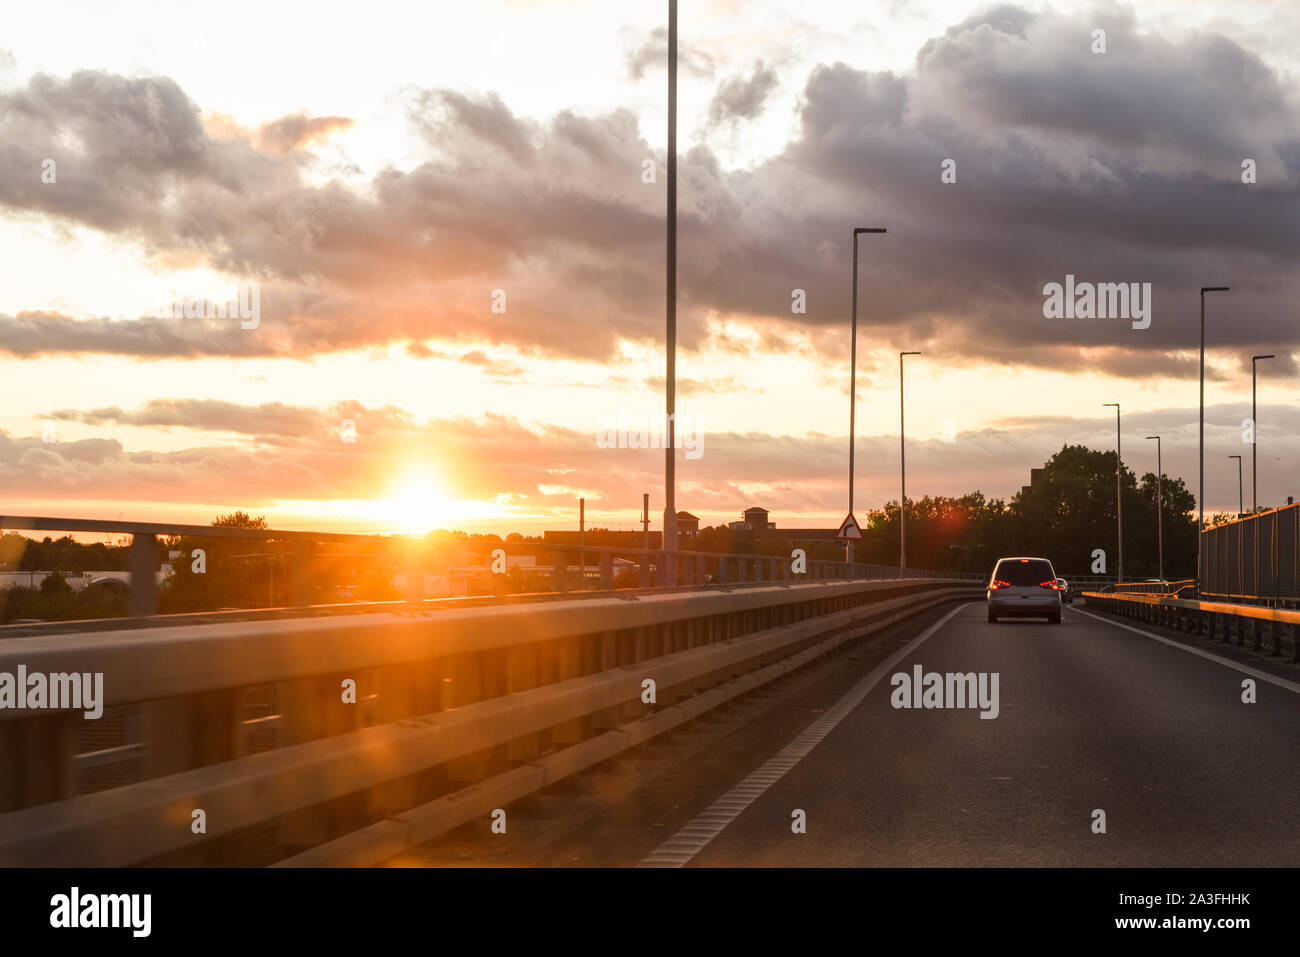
(497, 696)
(1218, 620)
(1155, 588)
(569, 570)
(1254, 558)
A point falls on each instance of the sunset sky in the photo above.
(382, 177)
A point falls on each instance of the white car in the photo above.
(1024, 588)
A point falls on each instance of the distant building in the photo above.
(688, 525)
(756, 522)
(756, 519)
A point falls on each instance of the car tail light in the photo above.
(999, 583)
(1050, 583)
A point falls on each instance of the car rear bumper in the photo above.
(1024, 606)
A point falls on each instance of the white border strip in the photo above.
(1227, 662)
(691, 839)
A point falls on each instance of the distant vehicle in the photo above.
(1067, 593)
(1024, 588)
(114, 586)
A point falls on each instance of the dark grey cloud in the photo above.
(1052, 179)
(121, 146)
(650, 53)
(487, 119)
(742, 98)
(31, 334)
(1206, 96)
(271, 422)
(1120, 167)
(207, 414)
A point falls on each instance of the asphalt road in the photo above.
(1091, 717)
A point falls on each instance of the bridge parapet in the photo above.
(288, 732)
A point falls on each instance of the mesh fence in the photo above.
(1253, 557)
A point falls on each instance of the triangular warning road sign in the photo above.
(849, 528)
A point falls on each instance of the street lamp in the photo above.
(670, 389)
(1119, 507)
(1241, 504)
(853, 374)
(1254, 436)
(902, 459)
(1160, 515)
(1200, 491)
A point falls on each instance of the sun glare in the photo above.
(416, 506)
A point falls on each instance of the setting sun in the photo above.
(417, 506)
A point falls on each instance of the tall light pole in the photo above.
(670, 425)
(1160, 513)
(902, 459)
(1241, 502)
(1200, 491)
(1119, 507)
(1254, 436)
(853, 374)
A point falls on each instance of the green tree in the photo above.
(235, 572)
(55, 587)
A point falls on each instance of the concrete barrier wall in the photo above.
(468, 694)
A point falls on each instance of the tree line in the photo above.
(1066, 515)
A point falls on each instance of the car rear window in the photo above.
(1018, 571)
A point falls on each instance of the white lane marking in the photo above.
(707, 825)
(1235, 666)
